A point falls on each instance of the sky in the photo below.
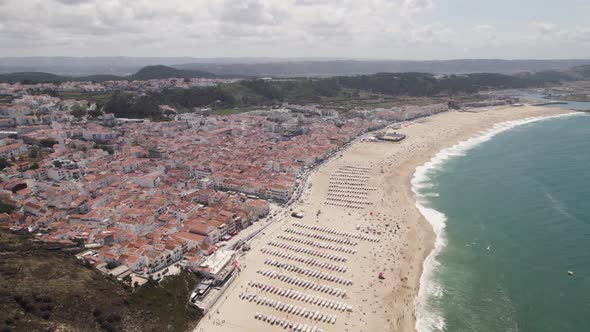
(352, 29)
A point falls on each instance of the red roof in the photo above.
(190, 236)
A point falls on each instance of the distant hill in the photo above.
(359, 67)
(581, 72)
(30, 77)
(145, 73)
(162, 72)
(117, 65)
(259, 93)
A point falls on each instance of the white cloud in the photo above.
(208, 28)
(544, 28)
(485, 33)
(418, 5)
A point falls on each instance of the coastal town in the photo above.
(288, 212)
(142, 196)
(290, 216)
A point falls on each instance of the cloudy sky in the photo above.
(384, 29)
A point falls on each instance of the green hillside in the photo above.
(256, 93)
(30, 78)
(146, 73)
(43, 289)
(162, 72)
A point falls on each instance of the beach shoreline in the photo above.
(406, 237)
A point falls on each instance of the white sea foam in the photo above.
(429, 318)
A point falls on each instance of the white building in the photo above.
(13, 150)
(99, 134)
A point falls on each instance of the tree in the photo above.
(112, 264)
(5, 208)
(151, 282)
(104, 147)
(4, 163)
(57, 163)
(48, 142)
(95, 113)
(34, 153)
(34, 166)
(127, 279)
(78, 111)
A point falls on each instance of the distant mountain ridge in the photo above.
(580, 72)
(278, 67)
(161, 72)
(145, 73)
(357, 67)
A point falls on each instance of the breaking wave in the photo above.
(428, 317)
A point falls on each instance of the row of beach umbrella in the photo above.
(290, 308)
(305, 260)
(358, 201)
(346, 205)
(308, 251)
(321, 245)
(286, 324)
(304, 283)
(321, 237)
(344, 189)
(347, 183)
(346, 177)
(362, 168)
(351, 171)
(308, 272)
(334, 231)
(296, 295)
(335, 195)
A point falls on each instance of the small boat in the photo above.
(570, 273)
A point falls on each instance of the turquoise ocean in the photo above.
(511, 209)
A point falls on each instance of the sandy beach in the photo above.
(365, 193)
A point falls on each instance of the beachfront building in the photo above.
(280, 192)
(218, 271)
(258, 207)
(192, 240)
(218, 266)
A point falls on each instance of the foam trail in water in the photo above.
(427, 318)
